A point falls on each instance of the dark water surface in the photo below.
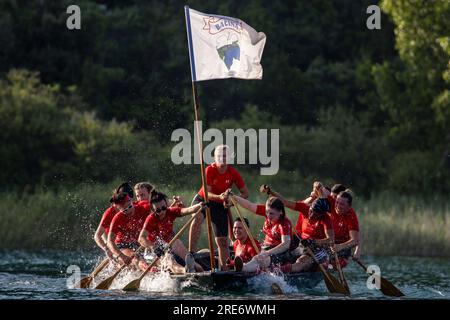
(43, 275)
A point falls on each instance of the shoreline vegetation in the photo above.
(66, 220)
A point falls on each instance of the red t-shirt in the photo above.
(107, 218)
(161, 228)
(343, 223)
(274, 231)
(218, 182)
(311, 228)
(245, 250)
(127, 227)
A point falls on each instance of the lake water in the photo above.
(43, 275)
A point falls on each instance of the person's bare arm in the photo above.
(115, 250)
(282, 247)
(288, 203)
(352, 242)
(143, 239)
(328, 240)
(246, 204)
(192, 209)
(98, 237)
(244, 192)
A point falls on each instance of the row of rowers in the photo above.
(327, 224)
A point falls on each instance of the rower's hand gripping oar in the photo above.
(134, 285)
(386, 287)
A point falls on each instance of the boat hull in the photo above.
(241, 281)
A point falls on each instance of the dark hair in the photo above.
(119, 197)
(338, 188)
(347, 195)
(158, 197)
(277, 204)
(245, 220)
(328, 188)
(125, 187)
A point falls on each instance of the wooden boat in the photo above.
(241, 281)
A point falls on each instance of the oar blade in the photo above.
(105, 284)
(333, 285)
(84, 283)
(276, 289)
(133, 285)
(389, 289)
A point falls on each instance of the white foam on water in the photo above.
(159, 282)
(262, 283)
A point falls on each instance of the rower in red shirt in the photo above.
(101, 234)
(346, 227)
(278, 230)
(158, 231)
(126, 226)
(220, 177)
(242, 246)
(313, 225)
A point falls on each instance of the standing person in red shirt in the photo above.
(219, 178)
(126, 226)
(242, 246)
(101, 234)
(158, 231)
(278, 231)
(346, 227)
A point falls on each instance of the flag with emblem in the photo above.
(223, 47)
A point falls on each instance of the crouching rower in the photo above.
(125, 227)
(242, 246)
(278, 230)
(158, 231)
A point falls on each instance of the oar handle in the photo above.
(99, 267)
(175, 238)
(245, 225)
(360, 263)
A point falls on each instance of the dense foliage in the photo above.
(369, 108)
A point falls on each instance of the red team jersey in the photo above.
(311, 228)
(161, 228)
(274, 231)
(245, 250)
(343, 223)
(127, 227)
(218, 182)
(107, 218)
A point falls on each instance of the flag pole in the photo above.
(199, 137)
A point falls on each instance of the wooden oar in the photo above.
(386, 287)
(134, 285)
(105, 284)
(333, 285)
(86, 281)
(341, 273)
(276, 289)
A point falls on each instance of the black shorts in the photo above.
(219, 216)
(346, 253)
(281, 258)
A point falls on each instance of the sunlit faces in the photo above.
(221, 156)
(342, 205)
(160, 208)
(142, 194)
(239, 231)
(272, 214)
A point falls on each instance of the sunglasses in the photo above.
(127, 208)
(164, 208)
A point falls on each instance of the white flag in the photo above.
(223, 47)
